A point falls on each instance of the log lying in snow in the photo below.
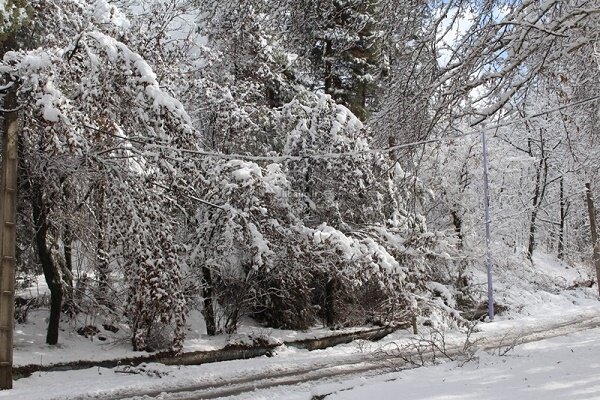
(330, 341)
(230, 352)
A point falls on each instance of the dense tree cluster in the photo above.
(298, 162)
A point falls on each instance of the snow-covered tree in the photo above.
(92, 107)
(239, 229)
(347, 54)
(246, 75)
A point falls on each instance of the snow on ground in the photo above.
(538, 289)
(538, 296)
(30, 338)
(28, 289)
(102, 382)
(562, 367)
(566, 367)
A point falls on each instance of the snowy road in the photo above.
(565, 367)
(292, 373)
(295, 381)
(558, 367)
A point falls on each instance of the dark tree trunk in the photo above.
(330, 291)
(457, 221)
(69, 306)
(594, 231)
(51, 272)
(591, 212)
(541, 178)
(328, 70)
(67, 267)
(209, 311)
(102, 266)
(531, 241)
(563, 216)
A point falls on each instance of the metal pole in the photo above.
(486, 207)
(8, 208)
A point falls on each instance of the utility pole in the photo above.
(8, 213)
(486, 207)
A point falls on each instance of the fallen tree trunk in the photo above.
(230, 352)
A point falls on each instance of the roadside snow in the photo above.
(560, 368)
(564, 367)
(531, 361)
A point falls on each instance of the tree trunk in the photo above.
(591, 212)
(51, 272)
(102, 266)
(330, 315)
(538, 195)
(531, 241)
(457, 221)
(328, 81)
(596, 255)
(69, 301)
(563, 216)
(69, 306)
(594, 231)
(209, 311)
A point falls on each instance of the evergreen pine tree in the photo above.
(347, 55)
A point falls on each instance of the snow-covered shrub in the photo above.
(142, 242)
(286, 297)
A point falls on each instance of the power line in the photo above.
(298, 157)
(355, 153)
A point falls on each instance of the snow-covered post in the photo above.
(486, 207)
(8, 212)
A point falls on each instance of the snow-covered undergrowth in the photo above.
(540, 287)
(547, 290)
